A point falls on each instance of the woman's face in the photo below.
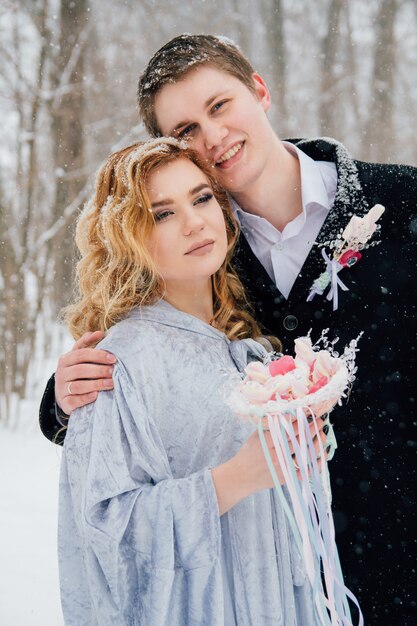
(188, 242)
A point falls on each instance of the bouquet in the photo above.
(295, 392)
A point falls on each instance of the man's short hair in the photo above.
(182, 55)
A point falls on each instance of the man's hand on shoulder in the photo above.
(82, 373)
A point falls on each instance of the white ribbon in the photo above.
(310, 517)
(332, 268)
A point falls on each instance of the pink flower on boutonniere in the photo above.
(350, 258)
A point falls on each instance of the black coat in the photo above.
(373, 471)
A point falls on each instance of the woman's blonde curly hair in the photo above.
(116, 272)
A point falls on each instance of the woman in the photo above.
(166, 516)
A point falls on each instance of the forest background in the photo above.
(68, 76)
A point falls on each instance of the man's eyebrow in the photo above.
(207, 103)
(192, 192)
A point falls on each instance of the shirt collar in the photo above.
(313, 190)
(316, 192)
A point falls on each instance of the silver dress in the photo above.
(141, 541)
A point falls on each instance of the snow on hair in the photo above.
(116, 272)
(181, 55)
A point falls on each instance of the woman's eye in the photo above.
(162, 215)
(186, 131)
(204, 198)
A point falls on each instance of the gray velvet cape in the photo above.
(140, 536)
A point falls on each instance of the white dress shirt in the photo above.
(283, 254)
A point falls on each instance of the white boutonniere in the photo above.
(346, 253)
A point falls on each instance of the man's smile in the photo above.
(229, 154)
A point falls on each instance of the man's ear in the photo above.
(262, 91)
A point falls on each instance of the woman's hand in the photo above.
(247, 472)
(82, 373)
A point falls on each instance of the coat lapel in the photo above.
(349, 200)
(251, 272)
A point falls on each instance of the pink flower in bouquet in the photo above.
(299, 386)
(324, 365)
(293, 384)
(280, 384)
(304, 350)
(257, 371)
(313, 378)
(282, 366)
(257, 393)
(318, 384)
(289, 377)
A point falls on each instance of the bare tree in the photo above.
(67, 112)
(330, 44)
(18, 328)
(30, 205)
(380, 124)
(275, 17)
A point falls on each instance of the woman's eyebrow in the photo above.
(163, 202)
(199, 188)
(192, 192)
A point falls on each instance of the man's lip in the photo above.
(233, 145)
(200, 244)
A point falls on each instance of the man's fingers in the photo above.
(88, 339)
(70, 403)
(84, 387)
(86, 355)
(87, 371)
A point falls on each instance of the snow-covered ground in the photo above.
(29, 470)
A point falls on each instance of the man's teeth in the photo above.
(230, 153)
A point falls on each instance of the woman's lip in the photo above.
(201, 249)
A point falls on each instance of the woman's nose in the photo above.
(193, 222)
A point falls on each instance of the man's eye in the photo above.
(218, 105)
(186, 131)
(161, 216)
(204, 198)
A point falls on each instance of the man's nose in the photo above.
(214, 134)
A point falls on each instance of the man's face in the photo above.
(223, 120)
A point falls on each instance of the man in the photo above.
(292, 200)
